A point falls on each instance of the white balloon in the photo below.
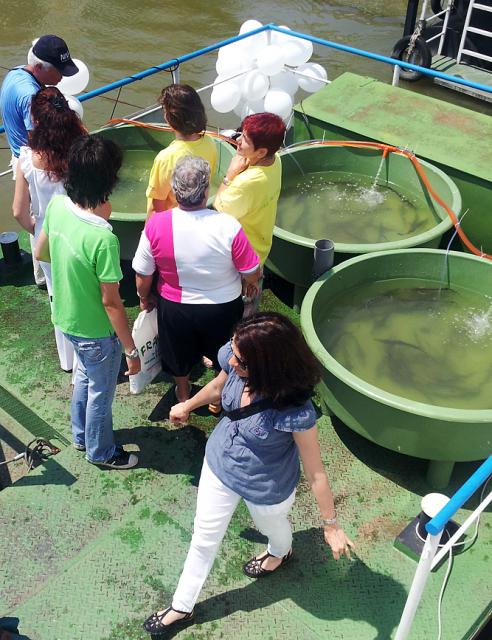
(254, 43)
(229, 82)
(238, 109)
(286, 81)
(225, 97)
(257, 106)
(280, 38)
(270, 60)
(77, 83)
(255, 85)
(249, 25)
(316, 74)
(230, 65)
(75, 105)
(279, 102)
(235, 49)
(297, 51)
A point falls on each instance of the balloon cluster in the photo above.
(263, 72)
(71, 85)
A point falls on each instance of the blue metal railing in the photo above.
(272, 27)
(474, 482)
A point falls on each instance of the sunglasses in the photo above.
(236, 135)
(240, 362)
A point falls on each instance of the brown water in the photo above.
(414, 340)
(118, 39)
(349, 208)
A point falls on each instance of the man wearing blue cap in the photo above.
(47, 62)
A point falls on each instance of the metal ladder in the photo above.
(467, 29)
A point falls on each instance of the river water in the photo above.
(118, 39)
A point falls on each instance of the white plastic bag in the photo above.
(146, 338)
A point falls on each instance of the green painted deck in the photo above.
(89, 553)
(437, 131)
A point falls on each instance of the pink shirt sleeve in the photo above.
(244, 258)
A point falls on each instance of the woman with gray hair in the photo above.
(200, 256)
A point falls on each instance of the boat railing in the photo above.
(174, 64)
(430, 556)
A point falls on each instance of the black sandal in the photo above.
(254, 569)
(155, 626)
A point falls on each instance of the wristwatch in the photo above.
(329, 521)
(133, 355)
(226, 181)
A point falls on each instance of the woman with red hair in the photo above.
(40, 173)
(251, 186)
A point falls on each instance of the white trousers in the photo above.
(66, 353)
(215, 507)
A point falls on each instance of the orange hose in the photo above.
(387, 148)
(165, 127)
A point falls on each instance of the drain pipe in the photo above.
(9, 241)
(323, 258)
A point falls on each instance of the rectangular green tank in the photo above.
(455, 139)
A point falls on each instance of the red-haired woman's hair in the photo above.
(56, 126)
(279, 363)
(266, 131)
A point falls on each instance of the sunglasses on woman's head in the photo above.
(240, 362)
(236, 135)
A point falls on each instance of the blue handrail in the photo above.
(385, 59)
(272, 27)
(475, 481)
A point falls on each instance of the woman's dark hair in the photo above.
(56, 126)
(93, 165)
(266, 130)
(183, 108)
(280, 365)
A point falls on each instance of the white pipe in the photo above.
(418, 585)
(396, 76)
(469, 521)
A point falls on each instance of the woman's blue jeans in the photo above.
(99, 362)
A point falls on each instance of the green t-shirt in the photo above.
(84, 252)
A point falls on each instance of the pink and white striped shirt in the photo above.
(199, 255)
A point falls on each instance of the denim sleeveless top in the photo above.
(256, 456)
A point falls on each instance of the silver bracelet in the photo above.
(329, 521)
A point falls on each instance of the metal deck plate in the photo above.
(88, 553)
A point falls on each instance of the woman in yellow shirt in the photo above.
(251, 187)
(185, 114)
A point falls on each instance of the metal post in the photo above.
(396, 76)
(176, 75)
(418, 584)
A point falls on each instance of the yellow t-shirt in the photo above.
(160, 176)
(252, 199)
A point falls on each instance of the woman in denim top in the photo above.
(268, 375)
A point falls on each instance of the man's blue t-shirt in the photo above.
(15, 104)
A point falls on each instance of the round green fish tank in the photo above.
(405, 341)
(358, 197)
(140, 146)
